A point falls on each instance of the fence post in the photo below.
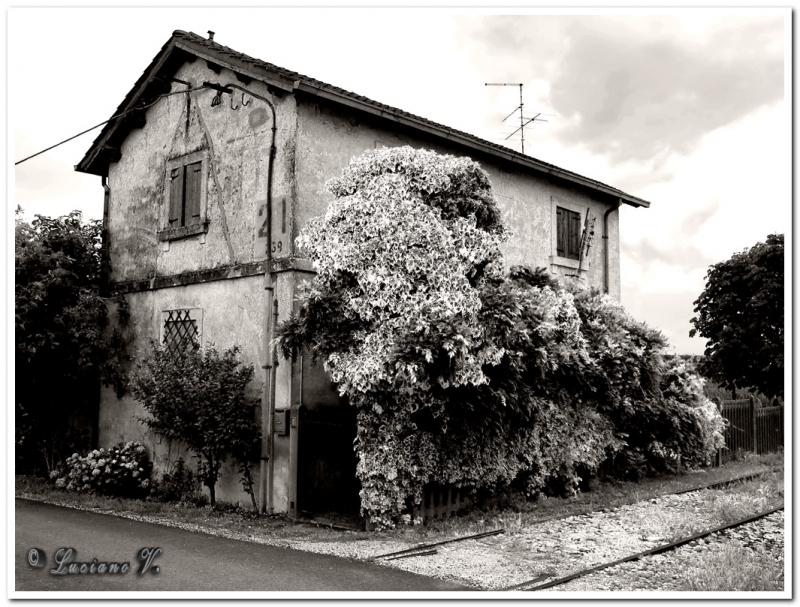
(717, 402)
(754, 423)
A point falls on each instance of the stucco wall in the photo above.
(236, 182)
(236, 144)
(328, 137)
(232, 315)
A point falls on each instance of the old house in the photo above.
(215, 164)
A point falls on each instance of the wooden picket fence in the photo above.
(750, 428)
(440, 502)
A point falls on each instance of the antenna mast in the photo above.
(522, 124)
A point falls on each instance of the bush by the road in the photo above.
(122, 471)
(61, 346)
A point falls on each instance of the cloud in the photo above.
(631, 88)
(666, 311)
(650, 258)
(695, 220)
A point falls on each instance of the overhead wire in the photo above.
(136, 109)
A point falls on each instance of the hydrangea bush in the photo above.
(123, 470)
(463, 374)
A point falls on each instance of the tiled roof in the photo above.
(293, 81)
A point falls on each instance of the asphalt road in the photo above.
(189, 561)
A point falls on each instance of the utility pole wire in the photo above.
(136, 109)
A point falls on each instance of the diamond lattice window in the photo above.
(181, 330)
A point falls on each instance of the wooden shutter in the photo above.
(561, 235)
(194, 173)
(574, 235)
(176, 197)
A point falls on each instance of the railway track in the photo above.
(534, 584)
(430, 548)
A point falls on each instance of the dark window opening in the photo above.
(568, 234)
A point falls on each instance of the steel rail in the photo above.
(635, 557)
(745, 477)
(579, 513)
(427, 546)
(413, 554)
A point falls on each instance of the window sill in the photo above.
(183, 232)
(564, 262)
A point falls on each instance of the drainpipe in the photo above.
(104, 235)
(605, 244)
(103, 290)
(267, 467)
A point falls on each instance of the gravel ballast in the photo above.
(666, 571)
(559, 548)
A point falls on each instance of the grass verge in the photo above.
(735, 569)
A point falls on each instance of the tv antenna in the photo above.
(522, 123)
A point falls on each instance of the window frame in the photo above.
(195, 314)
(167, 233)
(568, 216)
(575, 207)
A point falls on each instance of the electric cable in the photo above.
(136, 109)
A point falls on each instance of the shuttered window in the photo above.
(184, 194)
(191, 194)
(568, 236)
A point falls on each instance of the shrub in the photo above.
(121, 471)
(198, 397)
(179, 485)
(657, 405)
(464, 376)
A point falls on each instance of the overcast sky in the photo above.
(689, 110)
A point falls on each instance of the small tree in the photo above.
(740, 313)
(198, 397)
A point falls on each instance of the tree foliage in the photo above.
(461, 374)
(61, 349)
(198, 397)
(740, 313)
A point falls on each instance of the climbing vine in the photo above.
(464, 374)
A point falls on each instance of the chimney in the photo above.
(210, 35)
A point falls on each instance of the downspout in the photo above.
(267, 467)
(104, 290)
(606, 252)
(104, 236)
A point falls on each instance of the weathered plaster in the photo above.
(236, 181)
(232, 315)
(328, 137)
